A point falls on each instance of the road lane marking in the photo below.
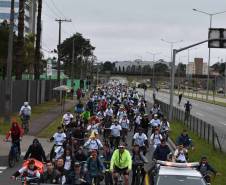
(3, 167)
(199, 114)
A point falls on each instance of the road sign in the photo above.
(217, 38)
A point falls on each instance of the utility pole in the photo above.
(225, 77)
(73, 63)
(59, 42)
(8, 92)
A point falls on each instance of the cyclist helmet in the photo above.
(26, 103)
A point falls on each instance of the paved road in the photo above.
(212, 114)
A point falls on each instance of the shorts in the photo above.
(121, 170)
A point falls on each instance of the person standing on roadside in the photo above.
(180, 98)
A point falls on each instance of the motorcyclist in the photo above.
(35, 151)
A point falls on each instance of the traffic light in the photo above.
(217, 38)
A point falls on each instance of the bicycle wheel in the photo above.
(11, 160)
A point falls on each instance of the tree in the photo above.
(161, 69)
(38, 40)
(83, 50)
(219, 67)
(20, 41)
(108, 66)
(181, 69)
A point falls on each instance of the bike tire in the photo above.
(17, 156)
(11, 161)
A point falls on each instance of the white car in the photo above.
(178, 174)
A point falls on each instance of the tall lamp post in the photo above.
(209, 57)
(153, 74)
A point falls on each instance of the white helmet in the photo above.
(26, 103)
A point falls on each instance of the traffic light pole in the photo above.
(175, 51)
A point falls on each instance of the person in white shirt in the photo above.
(109, 112)
(67, 119)
(93, 127)
(140, 139)
(124, 122)
(180, 154)
(156, 138)
(25, 111)
(93, 143)
(138, 119)
(115, 134)
(155, 122)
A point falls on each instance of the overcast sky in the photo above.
(127, 29)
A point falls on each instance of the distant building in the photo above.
(29, 17)
(198, 67)
(123, 66)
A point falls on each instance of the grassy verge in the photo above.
(51, 129)
(202, 148)
(36, 112)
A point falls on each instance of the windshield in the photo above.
(179, 180)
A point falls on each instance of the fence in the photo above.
(203, 129)
(34, 91)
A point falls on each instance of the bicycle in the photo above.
(107, 174)
(25, 124)
(14, 155)
(28, 180)
(139, 176)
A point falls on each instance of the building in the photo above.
(29, 17)
(198, 67)
(123, 66)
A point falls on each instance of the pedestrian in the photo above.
(180, 98)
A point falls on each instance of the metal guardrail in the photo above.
(201, 128)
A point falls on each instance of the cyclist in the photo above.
(204, 168)
(185, 140)
(78, 176)
(162, 151)
(115, 134)
(180, 154)
(124, 122)
(188, 107)
(137, 121)
(25, 115)
(59, 138)
(93, 142)
(67, 119)
(79, 107)
(155, 122)
(51, 175)
(121, 163)
(145, 123)
(95, 168)
(16, 134)
(29, 171)
(156, 138)
(164, 128)
(141, 140)
(138, 159)
(109, 111)
(35, 151)
(86, 116)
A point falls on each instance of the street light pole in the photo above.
(8, 92)
(73, 64)
(209, 56)
(153, 74)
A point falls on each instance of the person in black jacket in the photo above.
(51, 175)
(162, 151)
(145, 124)
(35, 151)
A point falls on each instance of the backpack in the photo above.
(26, 111)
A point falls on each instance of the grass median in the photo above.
(216, 158)
(36, 112)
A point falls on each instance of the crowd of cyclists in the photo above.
(105, 140)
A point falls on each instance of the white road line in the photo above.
(199, 114)
(3, 167)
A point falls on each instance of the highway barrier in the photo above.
(203, 129)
